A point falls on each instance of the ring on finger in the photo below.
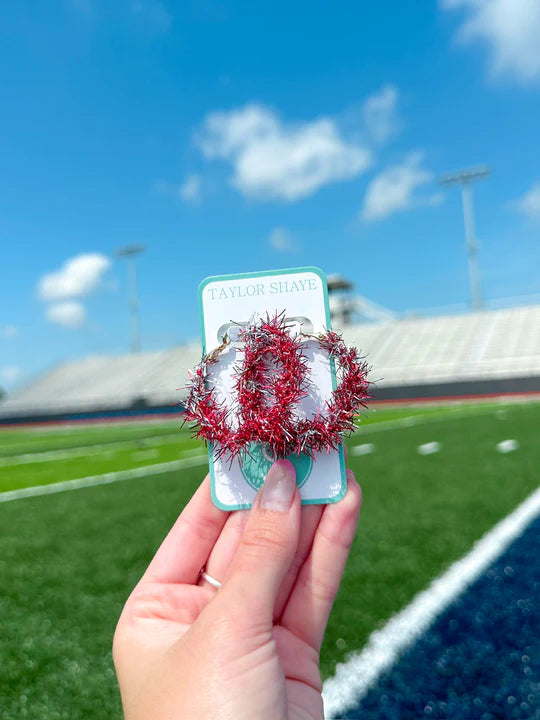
(209, 579)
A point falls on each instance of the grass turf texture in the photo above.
(68, 561)
(100, 459)
(41, 457)
(15, 441)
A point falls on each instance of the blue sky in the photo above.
(230, 137)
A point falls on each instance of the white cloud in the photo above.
(273, 160)
(10, 374)
(393, 190)
(78, 276)
(380, 114)
(511, 30)
(8, 331)
(529, 203)
(69, 314)
(282, 240)
(190, 190)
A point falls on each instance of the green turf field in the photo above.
(68, 560)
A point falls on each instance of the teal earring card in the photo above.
(230, 300)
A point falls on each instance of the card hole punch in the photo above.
(299, 324)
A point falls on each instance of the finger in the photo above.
(311, 516)
(226, 545)
(267, 547)
(313, 595)
(189, 542)
(309, 520)
(228, 542)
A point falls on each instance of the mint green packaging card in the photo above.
(230, 300)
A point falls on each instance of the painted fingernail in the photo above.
(278, 488)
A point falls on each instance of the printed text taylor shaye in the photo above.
(276, 287)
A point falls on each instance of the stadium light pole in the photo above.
(130, 252)
(465, 178)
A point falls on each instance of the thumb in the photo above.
(268, 544)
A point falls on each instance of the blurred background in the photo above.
(147, 144)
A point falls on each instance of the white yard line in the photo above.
(104, 479)
(421, 419)
(360, 672)
(407, 421)
(81, 450)
(85, 450)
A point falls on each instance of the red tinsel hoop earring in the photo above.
(271, 379)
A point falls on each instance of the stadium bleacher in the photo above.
(468, 348)
(105, 385)
(478, 353)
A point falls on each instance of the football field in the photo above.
(83, 509)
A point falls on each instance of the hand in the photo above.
(250, 649)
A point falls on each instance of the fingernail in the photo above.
(278, 488)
